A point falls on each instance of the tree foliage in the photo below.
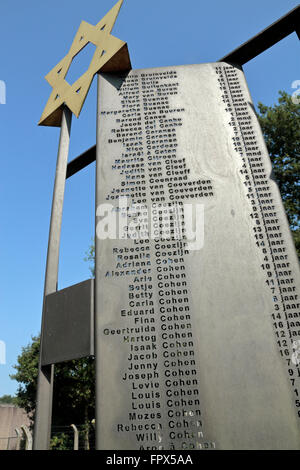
(26, 375)
(73, 394)
(90, 257)
(281, 128)
(8, 400)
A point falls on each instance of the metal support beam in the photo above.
(80, 162)
(43, 414)
(285, 26)
(97, 286)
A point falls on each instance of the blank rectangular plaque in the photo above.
(68, 324)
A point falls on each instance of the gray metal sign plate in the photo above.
(198, 348)
(68, 331)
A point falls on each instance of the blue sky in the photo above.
(36, 35)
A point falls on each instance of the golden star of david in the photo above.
(111, 55)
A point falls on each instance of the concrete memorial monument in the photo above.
(190, 339)
(196, 293)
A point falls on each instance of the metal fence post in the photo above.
(75, 436)
(28, 436)
(18, 433)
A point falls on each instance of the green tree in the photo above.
(74, 387)
(281, 128)
(8, 400)
(90, 257)
(26, 375)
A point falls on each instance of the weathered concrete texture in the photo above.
(195, 347)
(11, 418)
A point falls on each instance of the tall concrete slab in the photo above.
(196, 341)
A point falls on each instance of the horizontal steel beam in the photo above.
(265, 39)
(81, 161)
